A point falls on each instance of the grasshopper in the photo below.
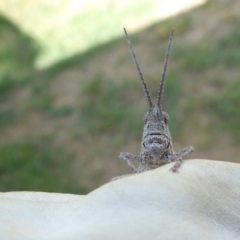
(156, 145)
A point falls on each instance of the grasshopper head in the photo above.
(156, 136)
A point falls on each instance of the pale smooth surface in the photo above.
(202, 201)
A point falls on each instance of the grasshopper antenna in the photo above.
(144, 85)
(161, 87)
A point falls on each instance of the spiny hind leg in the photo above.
(180, 156)
(127, 158)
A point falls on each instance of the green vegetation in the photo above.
(7, 117)
(61, 111)
(91, 105)
(34, 166)
(226, 107)
(197, 59)
(17, 55)
(40, 97)
(231, 40)
(202, 58)
(108, 108)
(228, 49)
(172, 94)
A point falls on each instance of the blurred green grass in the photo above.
(34, 166)
(107, 108)
(226, 107)
(90, 106)
(225, 52)
(224, 104)
(17, 55)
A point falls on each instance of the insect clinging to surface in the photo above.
(156, 145)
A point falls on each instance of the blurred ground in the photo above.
(62, 127)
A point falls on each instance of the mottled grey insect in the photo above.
(157, 147)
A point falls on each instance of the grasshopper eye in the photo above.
(166, 118)
(145, 118)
